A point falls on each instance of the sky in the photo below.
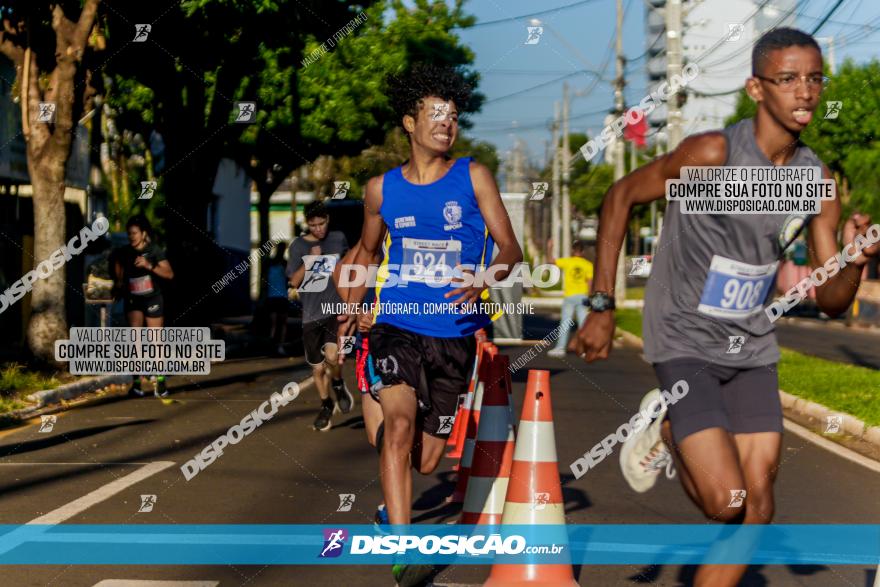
(578, 41)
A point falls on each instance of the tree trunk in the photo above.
(48, 321)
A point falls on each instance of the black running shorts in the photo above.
(741, 401)
(152, 306)
(437, 368)
(317, 336)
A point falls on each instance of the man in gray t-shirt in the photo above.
(310, 264)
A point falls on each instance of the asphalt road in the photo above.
(286, 473)
(844, 345)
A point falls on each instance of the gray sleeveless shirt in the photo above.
(692, 310)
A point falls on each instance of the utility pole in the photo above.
(619, 152)
(566, 174)
(830, 42)
(518, 173)
(673, 67)
(660, 153)
(554, 218)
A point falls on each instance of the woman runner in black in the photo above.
(137, 265)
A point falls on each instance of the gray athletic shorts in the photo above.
(739, 400)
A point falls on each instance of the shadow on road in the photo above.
(32, 445)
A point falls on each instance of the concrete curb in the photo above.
(792, 404)
(71, 395)
(76, 389)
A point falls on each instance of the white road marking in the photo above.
(100, 494)
(139, 583)
(833, 447)
(23, 534)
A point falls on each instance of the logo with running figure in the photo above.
(46, 112)
(640, 267)
(446, 423)
(539, 190)
(535, 33)
(833, 109)
(452, 214)
(440, 111)
(737, 497)
(148, 502)
(334, 542)
(542, 498)
(319, 268)
(148, 188)
(833, 424)
(346, 500)
(247, 112)
(734, 31)
(340, 189)
(141, 32)
(735, 344)
(47, 423)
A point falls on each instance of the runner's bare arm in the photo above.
(297, 278)
(498, 222)
(836, 294)
(646, 184)
(366, 251)
(364, 254)
(163, 269)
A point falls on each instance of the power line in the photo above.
(648, 50)
(827, 16)
(547, 83)
(723, 40)
(740, 65)
(524, 16)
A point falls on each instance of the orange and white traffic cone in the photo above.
(504, 367)
(467, 453)
(456, 437)
(493, 452)
(534, 494)
(460, 426)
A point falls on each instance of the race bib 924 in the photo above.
(734, 289)
(429, 260)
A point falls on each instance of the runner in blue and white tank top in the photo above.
(709, 304)
(443, 215)
(434, 228)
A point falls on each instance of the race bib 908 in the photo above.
(734, 289)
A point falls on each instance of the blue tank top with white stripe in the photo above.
(433, 227)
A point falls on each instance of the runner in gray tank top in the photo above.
(705, 326)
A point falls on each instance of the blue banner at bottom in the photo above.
(206, 544)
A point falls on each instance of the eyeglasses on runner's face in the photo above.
(787, 82)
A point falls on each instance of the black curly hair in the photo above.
(407, 90)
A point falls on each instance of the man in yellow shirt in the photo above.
(577, 277)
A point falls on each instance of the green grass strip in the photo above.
(838, 386)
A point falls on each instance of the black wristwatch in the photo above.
(600, 301)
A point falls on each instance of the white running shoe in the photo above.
(644, 455)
